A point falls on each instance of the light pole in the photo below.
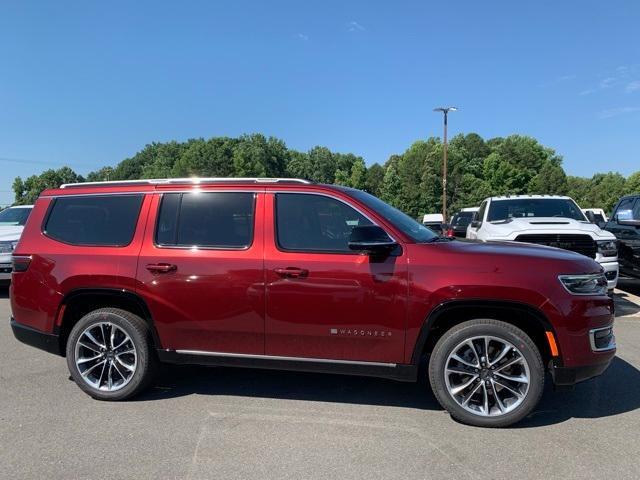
(445, 111)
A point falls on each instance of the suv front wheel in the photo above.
(486, 373)
(109, 354)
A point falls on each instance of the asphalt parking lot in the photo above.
(245, 424)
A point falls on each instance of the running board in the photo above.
(400, 372)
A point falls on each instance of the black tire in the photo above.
(139, 333)
(478, 328)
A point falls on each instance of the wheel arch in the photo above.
(448, 314)
(81, 301)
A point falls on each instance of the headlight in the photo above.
(6, 247)
(608, 248)
(14, 245)
(584, 284)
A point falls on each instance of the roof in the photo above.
(527, 197)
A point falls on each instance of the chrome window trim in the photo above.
(286, 359)
(197, 248)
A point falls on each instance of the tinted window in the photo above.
(14, 216)
(414, 230)
(534, 207)
(462, 219)
(626, 210)
(315, 223)
(212, 219)
(94, 220)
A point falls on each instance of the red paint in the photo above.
(337, 306)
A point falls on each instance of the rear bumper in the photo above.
(48, 342)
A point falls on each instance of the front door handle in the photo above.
(161, 267)
(292, 272)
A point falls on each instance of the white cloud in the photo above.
(618, 79)
(614, 112)
(354, 26)
(633, 86)
(557, 80)
(303, 37)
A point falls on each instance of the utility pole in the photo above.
(445, 111)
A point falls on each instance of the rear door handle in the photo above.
(292, 272)
(161, 267)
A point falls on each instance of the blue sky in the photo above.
(87, 84)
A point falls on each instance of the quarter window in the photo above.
(209, 219)
(101, 220)
(315, 223)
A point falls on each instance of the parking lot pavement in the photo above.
(226, 423)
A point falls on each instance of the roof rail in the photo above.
(191, 180)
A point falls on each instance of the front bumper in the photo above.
(48, 342)
(568, 376)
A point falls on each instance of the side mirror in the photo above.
(475, 224)
(590, 216)
(629, 222)
(372, 240)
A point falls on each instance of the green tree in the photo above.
(27, 191)
(550, 180)
(374, 178)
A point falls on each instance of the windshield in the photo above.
(14, 216)
(534, 207)
(412, 229)
(462, 219)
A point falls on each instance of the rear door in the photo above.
(325, 301)
(201, 270)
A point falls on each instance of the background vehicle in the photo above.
(625, 225)
(287, 274)
(554, 221)
(460, 221)
(596, 215)
(12, 222)
(434, 222)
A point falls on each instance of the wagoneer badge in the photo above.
(352, 332)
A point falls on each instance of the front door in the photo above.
(323, 300)
(200, 271)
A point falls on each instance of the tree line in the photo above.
(411, 181)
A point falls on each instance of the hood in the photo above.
(10, 232)
(496, 255)
(547, 225)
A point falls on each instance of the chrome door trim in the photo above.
(286, 359)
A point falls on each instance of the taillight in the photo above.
(450, 233)
(20, 263)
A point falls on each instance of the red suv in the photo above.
(281, 273)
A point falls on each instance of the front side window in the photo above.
(206, 219)
(100, 220)
(14, 216)
(315, 223)
(534, 207)
(627, 211)
(462, 219)
(403, 222)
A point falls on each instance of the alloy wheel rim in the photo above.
(487, 376)
(106, 357)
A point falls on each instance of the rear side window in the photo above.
(210, 219)
(101, 220)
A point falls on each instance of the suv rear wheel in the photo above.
(486, 373)
(109, 354)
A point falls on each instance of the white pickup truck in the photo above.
(555, 221)
(12, 222)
